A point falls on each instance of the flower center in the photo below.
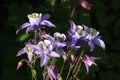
(35, 15)
(89, 63)
(44, 47)
(90, 32)
(78, 31)
(28, 49)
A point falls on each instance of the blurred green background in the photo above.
(104, 16)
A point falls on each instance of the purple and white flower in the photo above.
(76, 35)
(93, 38)
(46, 51)
(89, 61)
(58, 42)
(29, 49)
(36, 21)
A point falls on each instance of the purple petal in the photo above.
(99, 42)
(87, 66)
(49, 37)
(52, 73)
(73, 26)
(45, 17)
(21, 52)
(54, 54)
(60, 44)
(91, 45)
(30, 55)
(23, 26)
(29, 29)
(47, 23)
(37, 52)
(44, 60)
(85, 27)
(62, 52)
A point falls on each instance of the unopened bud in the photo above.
(85, 4)
(64, 57)
(19, 65)
(73, 58)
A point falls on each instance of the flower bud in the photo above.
(19, 65)
(64, 57)
(73, 58)
(85, 4)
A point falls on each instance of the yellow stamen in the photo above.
(78, 31)
(29, 49)
(35, 15)
(44, 47)
(91, 32)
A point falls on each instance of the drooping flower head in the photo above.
(52, 73)
(88, 61)
(29, 49)
(36, 21)
(46, 51)
(93, 38)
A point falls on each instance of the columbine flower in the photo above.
(36, 21)
(89, 61)
(76, 33)
(85, 4)
(29, 49)
(52, 73)
(46, 51)
(93, 38)
(58, 41)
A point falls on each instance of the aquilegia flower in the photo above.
(75, 33)
(93, 37)
(89, 61)
(52, 73)
(46, 51)
(58, 42)
(36, 21)
(29, 49)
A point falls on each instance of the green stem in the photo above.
(35, 36)
(77, 66)
(73, 11)
(70, 68)
(61, 70)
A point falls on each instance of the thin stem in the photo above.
(44, 71)
(62, 67)
(77, 66)
(52, 62)
(77, 70)
(35, 36)
(73, 11)
(47, 77)
(79, 58)
(71, 66)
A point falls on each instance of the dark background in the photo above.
(104, 16)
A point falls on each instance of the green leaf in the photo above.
(23, 37)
